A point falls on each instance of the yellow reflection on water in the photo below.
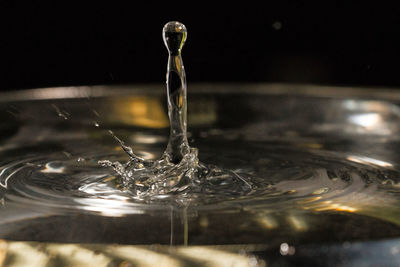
(327, 205)
(336, 207)
(298, 223)
(143, 111)
(266, 221)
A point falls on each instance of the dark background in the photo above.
(64, 43)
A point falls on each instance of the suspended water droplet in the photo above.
(61, 113)
(67, 154)
(95, 113)
(174, 35)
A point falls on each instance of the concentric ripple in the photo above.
(289, 178)
(272, 170)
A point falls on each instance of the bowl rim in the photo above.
(310, 90)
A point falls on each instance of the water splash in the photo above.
(179, 167)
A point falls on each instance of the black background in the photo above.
(65, 43)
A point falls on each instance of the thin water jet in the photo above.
(178, 171)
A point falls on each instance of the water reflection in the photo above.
(267, 221)
(53, 167)
(369, 161)
(143, 111)
(110, 207)
(373, 116)
(367, 120)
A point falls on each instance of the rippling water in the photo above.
(298, 170)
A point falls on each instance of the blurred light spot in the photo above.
(395, 250)
(146, 155)
(117, 148)
(321, 191)
(203, 222)
(298, 223)
(53, 167)
(108, 207)
(144, 111)
(336, 207)
(345, 208)
(267, 222)
(369, 161)
(285, 249)
(366, 120)
(147, 139)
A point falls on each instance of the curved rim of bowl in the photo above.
(310, 90)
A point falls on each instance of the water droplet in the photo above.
(95, 113)
(174, 35)
(61, 113)
(67, 154)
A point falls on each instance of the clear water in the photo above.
(297, 174)
(324, 174)
(178, 172)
